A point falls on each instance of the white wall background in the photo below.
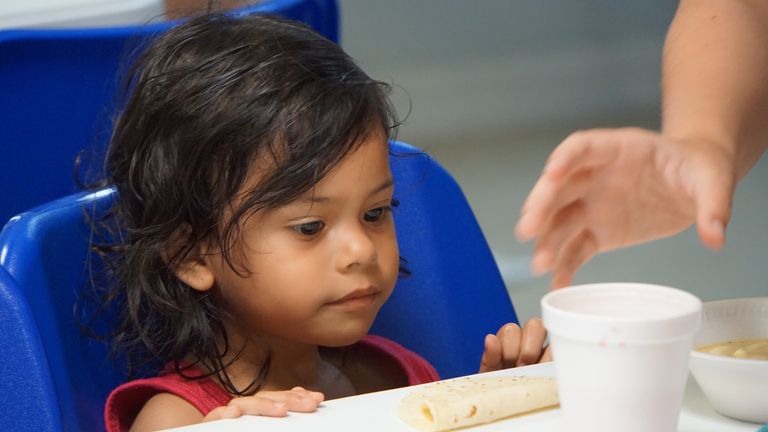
(495, 85)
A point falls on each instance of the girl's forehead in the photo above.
(365, 169)
(369, 158)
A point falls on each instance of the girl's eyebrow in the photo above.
(388, 183)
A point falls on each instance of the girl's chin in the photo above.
(344, 338)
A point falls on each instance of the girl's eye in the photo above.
(376, 214)
(309, 228)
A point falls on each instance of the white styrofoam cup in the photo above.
(621, 354)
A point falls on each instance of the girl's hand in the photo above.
(605, 189)
(269, 403)
(512, 347)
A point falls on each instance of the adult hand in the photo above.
(605, 189)
(512, 346)
(269, 403)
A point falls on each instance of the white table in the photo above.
(377, 412)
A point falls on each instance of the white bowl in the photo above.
(735, 387)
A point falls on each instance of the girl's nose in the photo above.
(356, 249)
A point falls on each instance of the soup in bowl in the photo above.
(730, 362)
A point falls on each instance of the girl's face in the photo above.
(321, 266)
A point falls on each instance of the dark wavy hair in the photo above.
(202, 104)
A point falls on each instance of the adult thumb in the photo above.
(714, 198)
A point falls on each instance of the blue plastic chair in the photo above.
(45, 250)
(58, 88)
(454, 296)
(27, 397)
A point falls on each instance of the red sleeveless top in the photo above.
(125, 402)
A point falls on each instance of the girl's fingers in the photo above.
(513, 347)
(318, 396)
(296, 393)
(249, 405)
(491, 359)
(257, 405)
(222, 412)
(297, 399)
(509, 335)
(532, 343)
(573, 255)
(269, 403)
(547, 355)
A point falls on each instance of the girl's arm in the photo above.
(166, 410)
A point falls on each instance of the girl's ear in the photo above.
(193, 269)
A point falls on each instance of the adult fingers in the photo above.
(567, 224)
(532, 343)
(546, 200)
(491, 359)
(535, 210)
(585, 150)
(572, 256)
(714, 198)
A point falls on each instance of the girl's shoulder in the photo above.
(165, 411)
(376, 363)
(200, 395)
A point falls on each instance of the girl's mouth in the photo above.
(358, 298)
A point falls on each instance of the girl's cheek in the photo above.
(393, 263)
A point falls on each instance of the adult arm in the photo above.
(715, 77)
(605, 189)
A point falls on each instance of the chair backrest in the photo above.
(45, 252)
(27, 397)
(58, 89)
(454, 296)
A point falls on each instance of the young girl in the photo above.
(256, 238)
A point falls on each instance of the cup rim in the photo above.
(696, 305)
(621, 330)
